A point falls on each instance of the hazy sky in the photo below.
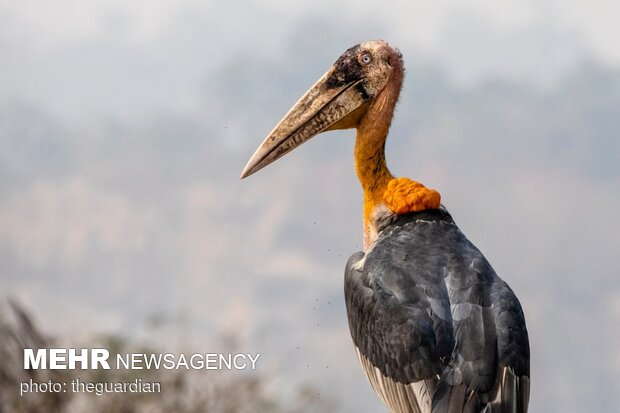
(79, 58)
(124, 127)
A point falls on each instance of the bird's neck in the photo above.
(383, 194)
(374, 176)
(370, 163)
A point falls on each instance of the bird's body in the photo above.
(432, 323)
(435, 329)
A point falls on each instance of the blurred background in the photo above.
(124, 127)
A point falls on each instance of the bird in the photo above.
(435, 329)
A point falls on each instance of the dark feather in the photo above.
(425, 307)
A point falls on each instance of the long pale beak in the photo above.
(317, 110)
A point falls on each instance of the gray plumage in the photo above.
(435, 328)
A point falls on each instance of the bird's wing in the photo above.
(489, 370)
(399, 316)
(430, 317)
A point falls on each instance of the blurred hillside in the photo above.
(124, 127)
(181, 391)
(103, 224)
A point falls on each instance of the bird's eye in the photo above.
(365, 58)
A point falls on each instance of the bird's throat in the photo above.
(370, 165)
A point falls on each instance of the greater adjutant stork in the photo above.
(435, 329)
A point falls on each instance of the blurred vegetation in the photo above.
(182, 391)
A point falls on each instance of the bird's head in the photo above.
(340, 99)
